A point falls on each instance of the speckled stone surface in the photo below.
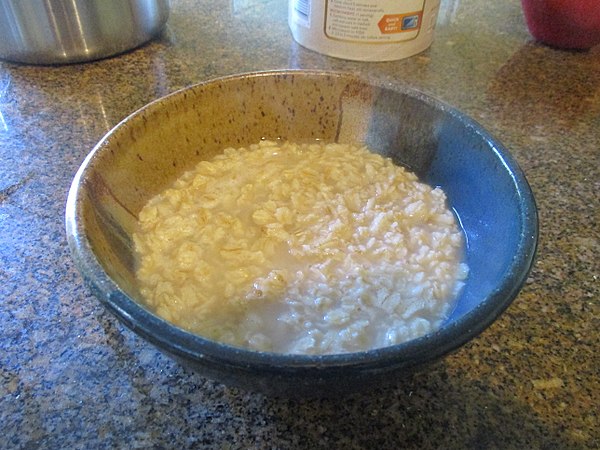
(72, 377)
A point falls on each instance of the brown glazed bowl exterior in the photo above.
(148, 150)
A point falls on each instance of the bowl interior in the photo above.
(148, 150)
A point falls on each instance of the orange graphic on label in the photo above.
(399, 23)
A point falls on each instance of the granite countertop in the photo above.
(71, 376)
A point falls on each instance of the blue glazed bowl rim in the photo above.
(415, 352)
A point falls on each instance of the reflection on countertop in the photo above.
(72, 377)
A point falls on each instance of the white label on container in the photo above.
(301, 12)
(373, 21)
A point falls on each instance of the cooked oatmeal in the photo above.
(314, 248)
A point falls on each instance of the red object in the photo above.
(564, 23)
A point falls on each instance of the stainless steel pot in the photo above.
(68, 31)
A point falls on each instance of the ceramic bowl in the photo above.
(144, 153)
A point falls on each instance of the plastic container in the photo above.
(364, 30)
